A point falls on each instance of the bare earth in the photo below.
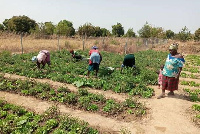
(167, 115)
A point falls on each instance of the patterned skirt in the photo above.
(169, 83)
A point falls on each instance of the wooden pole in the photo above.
(58, 43)
(83, 43)
(125, 47)
(22, 44)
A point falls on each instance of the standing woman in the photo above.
(171, 71)
(94, 61)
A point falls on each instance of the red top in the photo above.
(93, 50)
(90, 52)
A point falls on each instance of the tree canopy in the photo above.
(130, 33)
(118, 30)
(65, 27)
(19, 24)
(197, 35)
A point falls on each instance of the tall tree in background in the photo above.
(170, 34)
(184, 34)
(1, 27)
(117, 30)
(20, 24)
(105, 32)
(97, 32)
(130, 33)
(145, 31)
(157, 32)
(197, 35)
(65, 28)
(49, 28)
(5, 23)
(86, 30)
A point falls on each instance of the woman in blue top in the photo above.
(172, 70)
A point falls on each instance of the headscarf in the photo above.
(173, 46)
(71, 51)
(34, 59)
(94, 47)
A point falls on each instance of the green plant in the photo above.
(92, 107)
(82, 92)
(71, 98)
(112, 107)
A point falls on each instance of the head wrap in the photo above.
(71, 51)
(34, 59)
(94, 47)
(173, 46)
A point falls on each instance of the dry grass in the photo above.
(12, 43)
(30, 44)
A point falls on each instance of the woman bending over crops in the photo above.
(172, 70)
(42, 58)
(129, 61)
(76, 55)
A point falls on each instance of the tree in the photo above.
(86, 30)
(97, 31)
(65, 27)
(1, 27)
(105, 32)
(197, 35)
(20, 24)
(5, 23)
(145, 31)
(130, 33)
(49, 28)
(117, 30)
(184, 34)
(170, 34)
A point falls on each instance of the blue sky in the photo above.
(169, 14)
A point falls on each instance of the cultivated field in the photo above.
(61, 99)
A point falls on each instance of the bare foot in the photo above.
(171, 93)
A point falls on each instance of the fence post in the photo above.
(22, 44)
(125, 47)
(83, 43)
(58, 43)
(146, 42)
(103, 41)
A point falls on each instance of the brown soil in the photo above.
(167, 115)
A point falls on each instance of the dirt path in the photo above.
(167, 115)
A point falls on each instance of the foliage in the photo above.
(29, 122)
(49, 28)
(81, 99)
(20, 24)
(105, 32)
(145, 72)
(197, 35)
(97, 32)
(65, 28)
(86, 30)
(193, 94)
(130, 33)
(170, 34)
(118, 30)
(1, 27)
(145, 31)
(148, 31)
(157, 32)
(184, 34)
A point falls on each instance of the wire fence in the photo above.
(120, 45)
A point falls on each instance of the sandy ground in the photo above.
(167, 115)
